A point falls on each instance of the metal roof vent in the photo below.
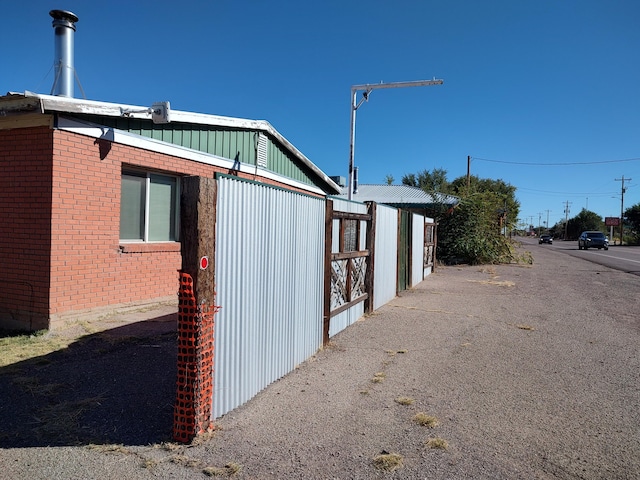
(64, 27)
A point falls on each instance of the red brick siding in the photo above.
(25, 227)
(60, 225)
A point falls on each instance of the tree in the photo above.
(471, 234)
(434, 181)
(585, 220)
(474, 231)
(632, 219)
(388, 179)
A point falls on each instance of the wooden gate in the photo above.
(349, 270)
(429, 247)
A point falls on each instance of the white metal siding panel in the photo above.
(417, 249)
(346, 318)
(271, 315)
(386, 251)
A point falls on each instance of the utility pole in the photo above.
(547, 220)
(367, 89)
(468, 174)
(539, 218)
(566, 217)
(622, 205)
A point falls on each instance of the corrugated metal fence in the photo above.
(386, 256)
(270, 281)
(269, 278)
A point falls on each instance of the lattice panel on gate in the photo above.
(192, 410)
(339, 283)
(358, 275)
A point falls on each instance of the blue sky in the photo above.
(544, 94)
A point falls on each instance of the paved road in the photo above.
(625, 258)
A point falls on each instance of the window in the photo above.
(149, 207)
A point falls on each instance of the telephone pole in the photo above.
(547, 220)
(622, 204)
(566, 217)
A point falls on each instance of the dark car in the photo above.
(593, 240)
(545, 239)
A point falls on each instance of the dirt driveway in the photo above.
(527, 372)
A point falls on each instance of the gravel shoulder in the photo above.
(530, 371)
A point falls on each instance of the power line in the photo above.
(556, 164)
(571, 194)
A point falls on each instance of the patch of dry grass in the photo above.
(525, 327)
(226, 471)
(60, 420)
(425, 420)
(184, 461)
(405, 400)
(379, 377)
(388, 461)
(17, 348)
(109, 448)
(437, 443)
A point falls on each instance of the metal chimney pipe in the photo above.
(64, 28)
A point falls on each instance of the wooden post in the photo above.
(198, 220)
(195, 359)
(328, 238)
(369, 280)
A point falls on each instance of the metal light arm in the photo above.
(368, 88)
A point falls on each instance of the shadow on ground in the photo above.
(112, 387)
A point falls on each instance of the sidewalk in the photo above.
(530, 371)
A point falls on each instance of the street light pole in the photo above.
(367, 89)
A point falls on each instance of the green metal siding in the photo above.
(220, 141)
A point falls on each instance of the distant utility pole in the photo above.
(539, 219)
(622, 204)
(367, 89)
(566, 217)
(468, 173)
(547, 219)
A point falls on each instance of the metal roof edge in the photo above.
(94, 107)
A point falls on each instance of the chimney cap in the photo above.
(63, 15)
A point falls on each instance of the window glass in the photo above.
(162, 211)
(148, 207)
(132, 206)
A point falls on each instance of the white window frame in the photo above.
(147, 193)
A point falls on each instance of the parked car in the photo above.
(545, 239)
(593, 240)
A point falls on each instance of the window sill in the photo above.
(149, 247)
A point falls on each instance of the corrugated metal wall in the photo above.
(350, 316)
(417, 249)
(271, 316)
(386, 260)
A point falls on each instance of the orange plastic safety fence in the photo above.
(192, 410)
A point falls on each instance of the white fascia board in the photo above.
(153, 145)
(91, 107)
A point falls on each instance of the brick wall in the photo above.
(25, 227)
(89, 266)
(60, 227)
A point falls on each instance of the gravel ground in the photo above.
(531, 372)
